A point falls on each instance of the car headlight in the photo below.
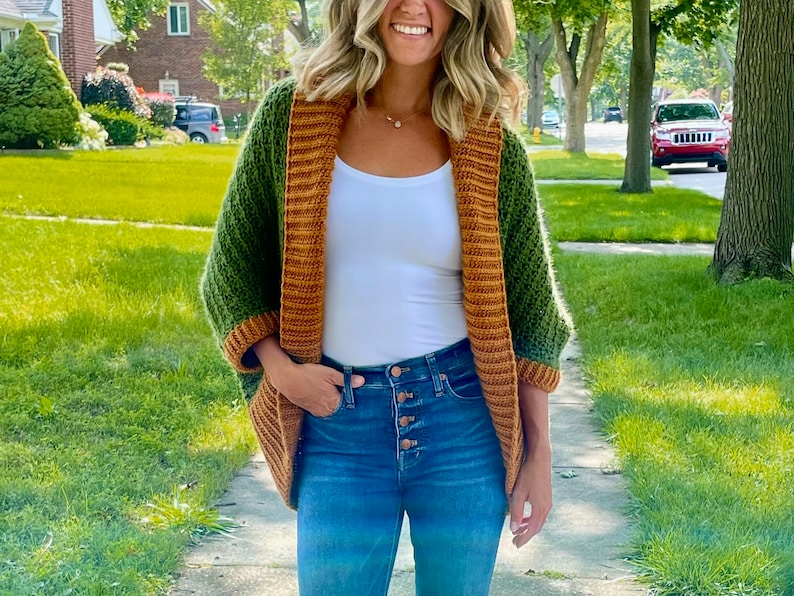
(721, 134)
(662, 135)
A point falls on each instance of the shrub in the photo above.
(92, 136)
(123, 128)
(163, 108)
(111, 85)
(37, 106)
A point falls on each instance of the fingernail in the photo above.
(513, 527)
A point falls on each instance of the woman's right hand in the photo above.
(313, 387)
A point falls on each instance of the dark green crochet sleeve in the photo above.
(538, 326)
(241, 284)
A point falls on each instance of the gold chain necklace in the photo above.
(397, 122)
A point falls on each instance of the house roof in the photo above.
(8, 8)
(39, 7)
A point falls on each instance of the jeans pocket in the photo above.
(465, 385)
(339, 407)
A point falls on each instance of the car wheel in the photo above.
(198, 138)
(722, 167)
(656, 163)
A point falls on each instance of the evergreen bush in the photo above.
(163, 108)
(37, 105)
(123, 128)
(113, 86)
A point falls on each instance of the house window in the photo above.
(6, 37)
(170, 86)
(179, 19)
(55, 45)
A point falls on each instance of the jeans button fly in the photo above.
(404, 421)
(406, 443)
(396, 371)
(401, 396)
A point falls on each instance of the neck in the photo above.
(402, 91)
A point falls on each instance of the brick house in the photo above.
(167, 56)
(77, 30)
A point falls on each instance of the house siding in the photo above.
(157, 53)
(78, 49)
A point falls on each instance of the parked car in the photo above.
(202, 121)
(613, 114)
(550, 119)
(689, 130)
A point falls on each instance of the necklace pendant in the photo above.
(397, 124)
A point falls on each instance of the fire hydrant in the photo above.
(536, 135)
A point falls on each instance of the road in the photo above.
(611, 138)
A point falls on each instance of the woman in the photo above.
(379, 255)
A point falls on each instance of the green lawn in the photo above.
(695, 383)
(562, 165)
(113, 394)
(547, 137)
(170, 184)
(599, 213)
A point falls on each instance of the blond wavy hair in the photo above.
(351, 59)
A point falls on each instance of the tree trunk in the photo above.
(577, 85)
(537, 53)
(726, 62)
(637, 171)
(298, 24)
(757, 223)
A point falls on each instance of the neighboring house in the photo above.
(77, 30)
(167, 56)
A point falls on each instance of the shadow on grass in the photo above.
(710, 497)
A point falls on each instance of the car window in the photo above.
(181, 112)
(201, 114)
(694, 111)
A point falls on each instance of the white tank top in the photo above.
(393, 287)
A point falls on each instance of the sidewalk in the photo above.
(579, 552)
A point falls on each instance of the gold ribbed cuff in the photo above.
(539, 375)
(245, 335)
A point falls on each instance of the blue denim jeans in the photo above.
(416, 438)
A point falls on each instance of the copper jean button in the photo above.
(404, 421)
(406, 443)
(395, 371)
(401, 396)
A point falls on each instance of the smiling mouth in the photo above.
(404, 29)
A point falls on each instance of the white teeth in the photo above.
(410, 30)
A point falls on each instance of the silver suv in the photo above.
(202, 121)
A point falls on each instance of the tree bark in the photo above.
(757, 224)
(537, 53)
(577, 85)
(637, 171)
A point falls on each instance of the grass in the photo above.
(598, 213)
(170, 184)
(562, 165)
(695, 383)
(546, 138)
(115, 400)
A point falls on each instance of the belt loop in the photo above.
(433, 366)
(347, 389)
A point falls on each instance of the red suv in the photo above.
(689, 130)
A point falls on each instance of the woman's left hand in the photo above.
(533, 486)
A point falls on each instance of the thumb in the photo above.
(516, 512)
(357, 380)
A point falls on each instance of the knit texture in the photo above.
(252, 287)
